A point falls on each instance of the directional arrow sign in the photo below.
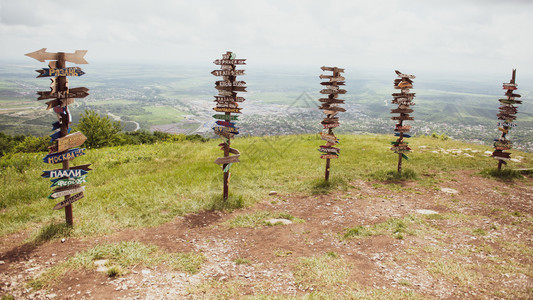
(72, 140)
(61, 157)
(231, 88)
(227, 72)
(56, 135)
(74, 190)
(329, 156)
(226, 124)
(42, 55)
(331, 100)
(332, 78)
(332, 108)
(227, 109)
(239, 61)
(225, 117)
(331, 83)
(227, 160)
(232, 130)
(230, 83)
(80, 92)
(400, 74)
(334, 69)
(69, 201)
(229, 98)
(71, 173)
(49, 72)
(333, 91)
(69, 181)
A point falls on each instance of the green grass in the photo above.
(321, 272)
(396, 227)
(121, 256)
(131, 186)
(258, 219)
(504, 174)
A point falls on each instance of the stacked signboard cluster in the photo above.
(506, 115)
(404, 100)
(68, 179)
(330, 107)
(227, 102)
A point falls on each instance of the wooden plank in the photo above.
(61, 157)
(331, 138)
(75, 139)
(240, 61)
(229, 98)
(334, 69)
(400, 74)
(231, 88)
(228, 72)
(75, 190)
(329, 149)
(69, 201)
(232, 130)
(330, 125)
(510, 101)
(42, 55)
(331, 101)
(225, 109)
(331, 83)
(227, 160)
(329, 156)
(332, 78)
(401, 111)
(333, 91)
(403, 118)
(225, 117)
(54, 136)
(49, 72)
(226, 123)
(506, 124)
(230, 83)
(404, 95)
(76, 171)
(332, 108)
(227, 104)
(80, 92)
(69, 181)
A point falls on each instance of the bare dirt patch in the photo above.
(477, 245)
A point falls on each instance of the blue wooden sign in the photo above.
(57, 135)
(56, 125)
(49, 72)
(61, 157)
(76, 171)
(404, 135)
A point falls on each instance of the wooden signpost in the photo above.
(69, 178)
(404, 101)
(506, 115)
(330, 107)
(227, 102)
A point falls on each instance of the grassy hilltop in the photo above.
(147, 185)
(153, 225)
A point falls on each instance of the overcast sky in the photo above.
(477, 35)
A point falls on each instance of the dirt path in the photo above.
(471, 239)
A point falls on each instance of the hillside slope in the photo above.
(153, 213)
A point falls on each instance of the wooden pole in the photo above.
(62, 87)
(226, 174)
(400, 156)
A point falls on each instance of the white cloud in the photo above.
(484, 35)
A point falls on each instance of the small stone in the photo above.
(145, 272)
(272, 193)
(282, 221)
(63, 240)
(2, 262)
(426, 212)
(449, 190)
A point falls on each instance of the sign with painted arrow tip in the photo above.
(232, 130)
(42, 55)
(61, 157)
(227, 160)
(69, 200)
(227, 109)
(75, 139)
(69, 181)
(226, 124)
(329, 138)
(332, 77)
(73, 189)
(333, 91)
(334, 69)
(239, 61)
(49, 72)
(229, 98)
(80, 92)
(76, 171)
(400, 74)
(227, 72)
(329, 156)
(230, 83)
(226, 117)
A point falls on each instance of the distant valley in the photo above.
(280, 101)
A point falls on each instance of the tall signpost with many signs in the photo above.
(227, 102)
(68, 179)
(404, 99)
(506, 115)
(330, 107)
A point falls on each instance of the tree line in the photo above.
(100, 131)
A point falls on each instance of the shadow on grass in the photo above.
(392, 176)
(47, 233)
(321, 187)
(504, 175)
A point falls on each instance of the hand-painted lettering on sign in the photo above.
(61, 157)
(69, 200)
(49, 72)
